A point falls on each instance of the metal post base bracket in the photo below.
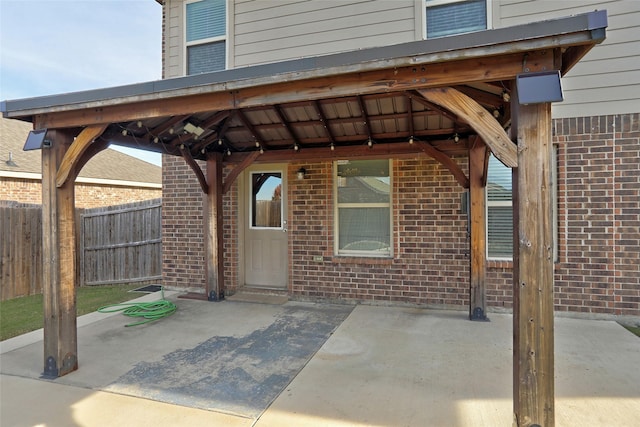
(478, 315)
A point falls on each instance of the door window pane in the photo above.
(266, 200)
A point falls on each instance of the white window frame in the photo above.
(424, 5)
(336, 217)
(225, 37)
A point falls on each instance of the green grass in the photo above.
(633, 329)
(24, 314)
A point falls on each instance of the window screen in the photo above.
(455, 17)
(206, 19)
(202, 58)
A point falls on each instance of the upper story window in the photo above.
(363, 208)
(449, 17)
(206, 36)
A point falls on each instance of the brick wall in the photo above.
(430, 265)
(183, 243)
(182, 227)
(87, 195)
(598, 268)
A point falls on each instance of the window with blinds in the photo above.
(206, 31)
(499, 211)
(363, 208)
(449, 17)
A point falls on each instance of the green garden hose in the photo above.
(149, 311)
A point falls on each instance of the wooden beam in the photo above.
(231, 177)
(213, 230)
(227, 97)
(478, 118)
(59, 261)
(533, 342)
(447, 162)
(68, 168)
(186, 154)
(378, 151)
(478, 158)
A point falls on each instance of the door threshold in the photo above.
(260, 295)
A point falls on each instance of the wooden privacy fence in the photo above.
(21, 249)
(268, 213)
(116, 244)
(121, 244)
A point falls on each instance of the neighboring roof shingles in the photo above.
(108, 164)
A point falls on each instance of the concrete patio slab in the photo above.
(382, 366)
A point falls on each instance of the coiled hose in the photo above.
(149, 311)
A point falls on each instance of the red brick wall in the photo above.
(183, 248)
(598, 268)
(182, 226)
(87, 195)
(430, 265)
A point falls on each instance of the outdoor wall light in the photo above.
(536, 88)
(36, 140)
(301, 174)
(10, 162)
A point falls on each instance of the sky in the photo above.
(50, 47)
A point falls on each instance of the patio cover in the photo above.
(446, 97)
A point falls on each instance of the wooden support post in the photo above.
(478, 157)
(213, 229)
(533, 357)
(59, 262)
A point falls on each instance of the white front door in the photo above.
(265, 242)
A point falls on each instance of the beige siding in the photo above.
(607, 80)
(269, 31)
(174, 50)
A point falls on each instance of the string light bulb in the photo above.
(156, 140)
(370, 142)
(456, 138)
(220, 141)
(411, 140)
(333, 147)
(295, 147)
(124, 132)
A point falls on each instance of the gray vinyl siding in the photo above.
(269, 31)
(607, 79)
